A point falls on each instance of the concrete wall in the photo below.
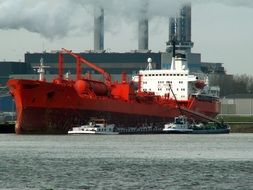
(237, 106)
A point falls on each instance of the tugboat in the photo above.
(180, 125)
(96, 127)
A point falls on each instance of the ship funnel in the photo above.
(98, 29)
(180, 62)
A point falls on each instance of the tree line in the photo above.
(233, 84)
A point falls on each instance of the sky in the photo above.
(222, 30)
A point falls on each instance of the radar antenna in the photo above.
(149, 67)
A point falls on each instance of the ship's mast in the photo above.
(173, 65)
(41, 70)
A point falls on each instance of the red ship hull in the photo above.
(53, 108)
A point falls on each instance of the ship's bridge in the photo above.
(163, 82)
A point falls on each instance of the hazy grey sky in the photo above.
(222, 31)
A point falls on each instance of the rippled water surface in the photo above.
(126, 162)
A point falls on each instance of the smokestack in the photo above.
(187, 11)
(172, 29)
(184, 24)
(180, 30)
(143, 29)
(143, 35)
(98, 29)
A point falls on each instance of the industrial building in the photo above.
(13, 68)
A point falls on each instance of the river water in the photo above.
(126, 162)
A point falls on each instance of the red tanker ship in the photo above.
(54, 107)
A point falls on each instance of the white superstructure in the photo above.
(163, 82)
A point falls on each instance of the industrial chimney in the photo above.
(184, 24)
(143, 35)
(143, 28)
(98, 29)
(180, 30)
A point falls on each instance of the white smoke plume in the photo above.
(49, 18)
(58, 18)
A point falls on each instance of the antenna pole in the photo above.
(60, 59)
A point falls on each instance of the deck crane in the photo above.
(80, 60)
